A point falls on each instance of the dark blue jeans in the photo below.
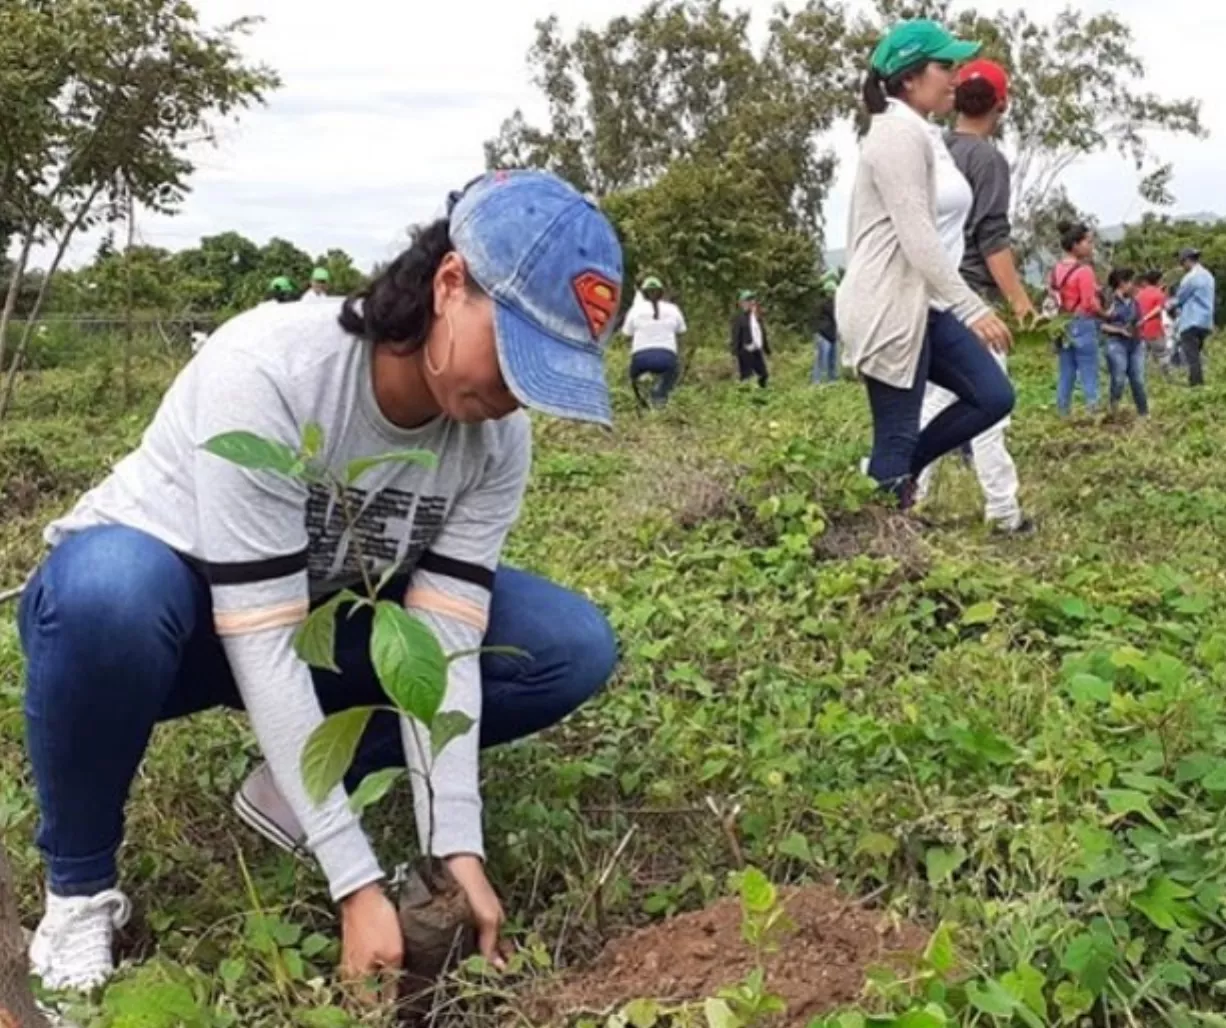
(1126, 362)
(118, 634)
(659, 362)
(954, 358)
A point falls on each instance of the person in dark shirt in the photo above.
(750, 344)
(826, 333)
(1125, 349)
(981, 100)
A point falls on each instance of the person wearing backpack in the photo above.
(1074, 289)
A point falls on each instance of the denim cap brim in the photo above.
(551, 375)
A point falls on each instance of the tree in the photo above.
(1154, 244)
(1076, 90)
(710, 229)
(132, 84)
(682, 80)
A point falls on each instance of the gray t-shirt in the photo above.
(268, 545)
(987, 228)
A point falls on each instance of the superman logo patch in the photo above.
(598, 298)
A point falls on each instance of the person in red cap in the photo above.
(987, 265)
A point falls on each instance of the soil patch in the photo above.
(821, 966)
(874, 532)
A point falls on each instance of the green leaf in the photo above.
(1085, 688)
(1026, 982)
(931, 1016)
(1163, 902)
(876, 844)
(1072, 1002)
(448, 726)
(329, 751)
(797, 847)
(409, 662)
(1089, 958)
(315, 640)
(323, 1017)
(312, 439)
(315, 945)
(1215, 780)
(720, 1015)
(642, 1013)
(231, 971)
(990, 997)
(1123, 802)
(758, 894)
(147, 1002)
(942, 863)
(940, 950)
(374, 787)
(249, 450)
(981, 613)
(355, 469)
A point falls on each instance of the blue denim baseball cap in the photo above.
(552, 264)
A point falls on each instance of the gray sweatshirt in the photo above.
(897, 268)
(270, 545)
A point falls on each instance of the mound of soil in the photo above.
(819, 967)
(875, 532)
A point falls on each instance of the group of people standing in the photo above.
(931, 259)
(1128, 320)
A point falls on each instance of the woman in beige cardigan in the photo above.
(905, 315)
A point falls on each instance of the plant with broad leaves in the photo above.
(407, 658)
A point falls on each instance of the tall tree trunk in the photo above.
(17, 1006)
(27, 333)
(14, 287)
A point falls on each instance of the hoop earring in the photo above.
(436, 372)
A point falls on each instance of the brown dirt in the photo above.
(819, 967)
(874, 532)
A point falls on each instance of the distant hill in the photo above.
(1109, 234)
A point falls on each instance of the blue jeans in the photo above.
(1126, 362)
(118, 634)
(954, 358)
(825, 361)
(659, 362)
(1079, 359)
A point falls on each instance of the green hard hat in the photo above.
(281, 284)
(321, 275)
(652, 282)
(747, 294)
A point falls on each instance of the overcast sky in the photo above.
(385, 106)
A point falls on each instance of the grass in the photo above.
(1021, 739)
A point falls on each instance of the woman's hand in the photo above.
(488, 916)
(993, 333)
(371, 940)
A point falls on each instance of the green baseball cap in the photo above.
(321, 275)
(652, 282)
(912, 42)
(281, 284)
(747, 294)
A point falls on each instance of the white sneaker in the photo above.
(261, 807)
(74, 946)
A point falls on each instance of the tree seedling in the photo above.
(412, 669)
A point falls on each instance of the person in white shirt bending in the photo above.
(654, 326)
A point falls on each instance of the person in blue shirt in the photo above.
(1194, 301)
(1122, 332)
